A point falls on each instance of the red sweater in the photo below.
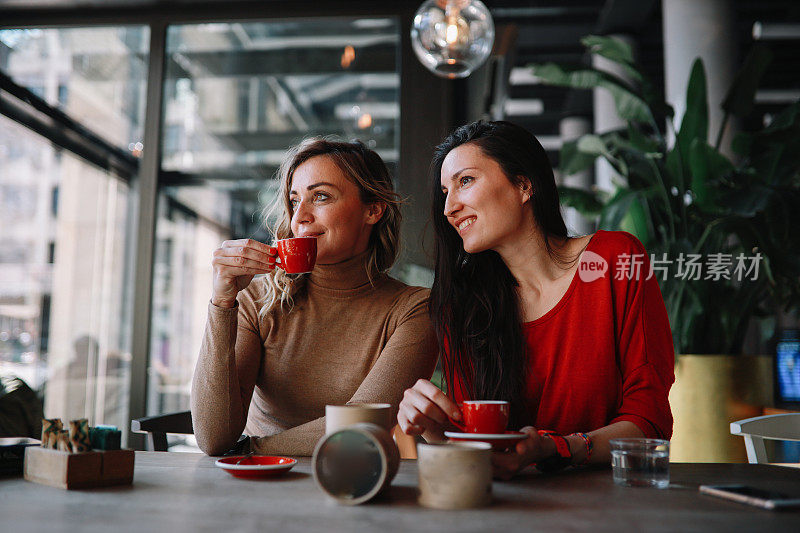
(604, 353)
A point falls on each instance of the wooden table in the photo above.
(186, 492)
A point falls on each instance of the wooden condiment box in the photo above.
(79, 470)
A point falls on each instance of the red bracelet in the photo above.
(562, 446)
(589, 446)
(561, 459)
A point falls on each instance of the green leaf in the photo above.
(706, 165)
(642, 142)
(674, 168)
(592, 144)
(695, 120)
(616, 209)
(741, 95)
(693, 126)
(786, 119)
(586, 202)
(774, 153)
(635, 221)
(638, 164)
(573, 160)
(746, 202)
(615, 50)
(630, 106)
(596, 145)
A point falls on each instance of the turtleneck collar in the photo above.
(349, 274)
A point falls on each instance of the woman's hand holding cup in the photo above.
(426, 410)
(235, 263)
(534, 448)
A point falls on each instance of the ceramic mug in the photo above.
(489, 417)
(296, 255)
(455, 475)
(340, 416)
(352, 465)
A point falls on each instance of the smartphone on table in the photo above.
(766, 499)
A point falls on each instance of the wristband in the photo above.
(587, 440)
(559, 460)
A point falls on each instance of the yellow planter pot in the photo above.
(709, 393)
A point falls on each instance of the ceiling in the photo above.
(548, 31)
(551, 31)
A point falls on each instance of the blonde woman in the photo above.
(278, 348)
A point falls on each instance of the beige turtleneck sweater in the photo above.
(345, 340)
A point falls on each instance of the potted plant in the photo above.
(720, 230)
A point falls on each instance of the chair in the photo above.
(771, 427)
(157, 427)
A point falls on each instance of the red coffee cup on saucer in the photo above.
(296, 255)
(488, 417)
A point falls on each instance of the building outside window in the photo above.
(64, 308)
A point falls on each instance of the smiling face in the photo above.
(327, 205)
(486, 209)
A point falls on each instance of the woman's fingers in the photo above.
(410, 420)
(234, 272)
(425, 405)
(244, 257)
(420, 410)
(425, 410)
(240, 262)
(447, 406)
(235, 263)
(248, 243)
(244, 252)
(529, 445)
(526, 452)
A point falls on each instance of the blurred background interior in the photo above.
(135, 136)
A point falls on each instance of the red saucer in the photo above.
(256, 466)
(499, 441)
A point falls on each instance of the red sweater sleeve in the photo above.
(645, 350)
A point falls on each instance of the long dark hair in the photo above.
(473, 304)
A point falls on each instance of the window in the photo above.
(237, 95)
(64, 318)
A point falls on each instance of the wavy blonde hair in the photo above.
(368, 172)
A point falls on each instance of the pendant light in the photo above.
(452, 37)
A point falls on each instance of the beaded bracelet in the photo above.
(589, 446)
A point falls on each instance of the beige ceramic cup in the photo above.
(340, 416)
(352, 465)
(455, 475)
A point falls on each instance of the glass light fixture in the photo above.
(452, 37)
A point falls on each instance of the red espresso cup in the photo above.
(296, 255)
(488, 417)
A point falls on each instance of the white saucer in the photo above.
(510, 435)
(499, 441)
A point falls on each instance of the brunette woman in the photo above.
(523, 312)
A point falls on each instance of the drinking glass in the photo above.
(640, 462)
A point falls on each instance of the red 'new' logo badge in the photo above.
(592, 266)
